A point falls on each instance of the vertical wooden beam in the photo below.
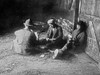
(70, 2)
(76, 13)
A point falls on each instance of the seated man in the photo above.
(54, 33)
(77, 42)
(25, 39)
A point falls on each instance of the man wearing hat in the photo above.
(54, 33)
(77, 42)
(25, 38)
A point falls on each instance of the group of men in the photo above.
(27, 39)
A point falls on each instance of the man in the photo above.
(76, 42)
(54, 33)
(25, 39)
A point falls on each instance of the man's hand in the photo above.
(50, 39)
(47, 39)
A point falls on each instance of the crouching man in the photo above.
(54, 34)
(77, 42)
(24, 39)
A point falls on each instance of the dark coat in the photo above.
(79, 38)
(55, 33)
(78, 41)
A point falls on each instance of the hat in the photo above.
(50, 21)
(27, 22)
(82, 24)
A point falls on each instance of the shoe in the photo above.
(57, 53)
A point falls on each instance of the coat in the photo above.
(25, 39)
(55, 33)
(79, 37)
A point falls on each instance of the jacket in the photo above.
(25, 39)
(55, 33)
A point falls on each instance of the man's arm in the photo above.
(60, 33)
(49, 32)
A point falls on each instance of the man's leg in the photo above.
(64, 50)
(57, 53)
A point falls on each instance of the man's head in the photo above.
(50, 21)
(82, 25)
(27, 23)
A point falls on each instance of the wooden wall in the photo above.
(90, 12)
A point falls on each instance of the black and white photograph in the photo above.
(49, 37)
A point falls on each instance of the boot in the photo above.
(57, 53)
